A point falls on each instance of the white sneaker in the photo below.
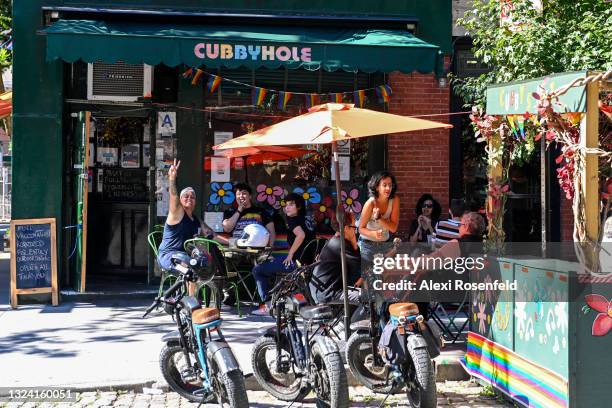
(262, 311)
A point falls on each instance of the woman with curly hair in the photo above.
(380, 215)
(428, 212)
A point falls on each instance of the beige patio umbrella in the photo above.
(328, 124)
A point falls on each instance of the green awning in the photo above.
(240, 46)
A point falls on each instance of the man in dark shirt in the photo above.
(326, 282)
(234, 220)
(298, 238)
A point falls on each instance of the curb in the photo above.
(447, 371)
(73, 296)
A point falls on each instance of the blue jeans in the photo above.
(266, 271)
(165, 260)
(370, 248)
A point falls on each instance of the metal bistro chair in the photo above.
(316, 245)
(207, 243)
(154, 238)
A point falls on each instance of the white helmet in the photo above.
(254, 236)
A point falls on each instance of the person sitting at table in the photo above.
(181, 223)
(326, 282)
(428, 212)
(298, 238)
(234, 220)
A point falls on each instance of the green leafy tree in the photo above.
(559, 36)
(6, 24)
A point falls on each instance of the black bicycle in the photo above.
(194, 365)
(289, 362)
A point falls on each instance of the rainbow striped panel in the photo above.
(213, 83)
(258, 96)
(283, 99)
(359, 98)
(384, 93)
(527, 383)
(197, 76)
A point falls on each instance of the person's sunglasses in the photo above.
(427, 206)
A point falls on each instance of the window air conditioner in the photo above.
(118, 81)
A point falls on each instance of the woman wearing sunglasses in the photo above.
(428, 213)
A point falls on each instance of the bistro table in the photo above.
(237, 261)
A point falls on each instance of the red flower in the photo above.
(603, 322)
(324, 210)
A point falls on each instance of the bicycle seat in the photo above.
(403, 309)
(205, 315)
(322, 312)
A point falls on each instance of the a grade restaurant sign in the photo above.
(215, 51)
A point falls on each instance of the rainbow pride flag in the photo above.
(188, 74)
(197, 76)
(258, 96)
(359, 98)
(337, 97)
(384, 93)
(213, 83)
(311, 100)
(283, 99)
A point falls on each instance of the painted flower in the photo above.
(349, 200)
(222, 193)
(269, 194)
(310, 195)
(324, 211)
(482, 318)
(603, 321)
(561, 316)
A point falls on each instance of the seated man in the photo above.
(449, 229)
(326, 282)
(234, 220)
(181, 223)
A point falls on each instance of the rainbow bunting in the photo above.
(311, 100)
(337, 97)
(384, 93)
(213, 83)
(258, 95)
(513, 126)
(188, 74)
(521, 124)
(359, 98)
(283, 99)
(197, 76)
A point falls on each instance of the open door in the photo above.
(80, 172)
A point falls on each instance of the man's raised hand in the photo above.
(174, 169)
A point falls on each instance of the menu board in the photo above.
(125, 185)
(33, 258)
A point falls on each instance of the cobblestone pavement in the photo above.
(456, 394)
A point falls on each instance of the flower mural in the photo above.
(603, 321)
(310, 195)
(221, 192)
(269, 194)
(324, 211)
(482, 318)
(350, 201)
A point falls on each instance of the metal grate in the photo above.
(118, 79)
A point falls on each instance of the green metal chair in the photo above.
(154, 238)
(207, 243)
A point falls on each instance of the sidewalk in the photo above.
(104, 343)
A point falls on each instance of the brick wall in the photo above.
(566, 219)
(419, 160)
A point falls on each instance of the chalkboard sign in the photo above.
(33, 258)
(124, 185)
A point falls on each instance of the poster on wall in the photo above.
(162, 194)
(130, 156)
(219, 169)
(345, 168)
(166, 124)
(221, 137)
(108, 156)
(146, 132)
(214, 220)
(146, 152)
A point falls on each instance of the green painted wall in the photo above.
(435, 16)
(37, 121)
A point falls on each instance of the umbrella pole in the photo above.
(340, 218)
